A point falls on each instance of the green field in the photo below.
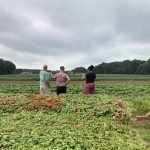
(77, 77)
(75, 121)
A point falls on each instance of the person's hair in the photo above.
(91, 68)
(45, 67)
(62, 67)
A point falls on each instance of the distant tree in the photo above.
(79, 70)
(6, 67)
(146, 67)
(133, 66)
(124, 67)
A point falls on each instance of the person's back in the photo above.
(90, 77)
(44, 81)
(44, 76)
(62, 79)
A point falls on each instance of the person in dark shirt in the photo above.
(89, 78)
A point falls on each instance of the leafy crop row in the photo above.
(79, 122)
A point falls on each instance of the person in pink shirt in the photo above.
(62, 79)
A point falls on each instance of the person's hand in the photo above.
(83, 76)
(47, 84)
(51, 74)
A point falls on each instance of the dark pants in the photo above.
(61, 89)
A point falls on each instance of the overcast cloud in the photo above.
(73, 32)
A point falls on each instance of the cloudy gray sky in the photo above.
(73, 32)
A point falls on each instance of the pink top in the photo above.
(61, 78)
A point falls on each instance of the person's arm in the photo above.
(53, 76)
(83, 77)
(94, 76)
(47, 83)
(68, 79)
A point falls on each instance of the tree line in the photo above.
(6, 67)
(120, 67)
